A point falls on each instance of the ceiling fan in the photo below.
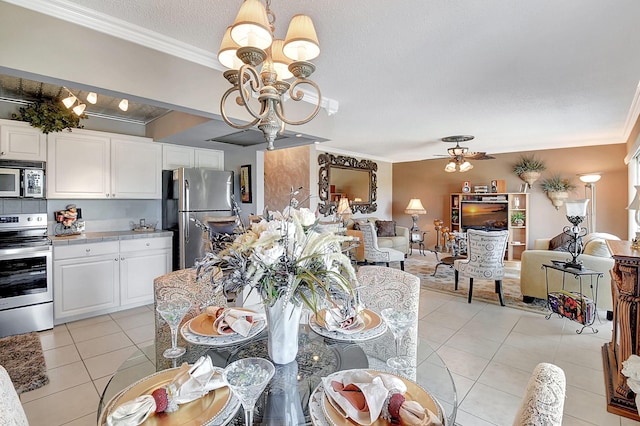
(459, 156)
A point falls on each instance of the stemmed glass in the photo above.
(247, 378)
(173, 311)
(398, 321)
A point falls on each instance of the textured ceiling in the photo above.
(518, 75)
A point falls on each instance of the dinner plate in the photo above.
(322, 413)
(221, 339)
(203, 324)
(216, 408)
(373, 327)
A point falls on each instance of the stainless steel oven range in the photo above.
(26, 290)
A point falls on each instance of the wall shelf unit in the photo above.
(492, 211)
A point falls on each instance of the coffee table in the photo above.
(317, 357)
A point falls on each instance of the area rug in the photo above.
(22, 357)
(424, 266)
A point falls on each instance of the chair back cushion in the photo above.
(485, 252)
(543, 402)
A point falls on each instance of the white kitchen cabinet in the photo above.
(88, 164)
(176, 156)
(209, 158)
(20, 141)
(136, 169)
(97, 278)
(141, 261)
(85, 280)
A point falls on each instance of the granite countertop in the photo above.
(96, 237)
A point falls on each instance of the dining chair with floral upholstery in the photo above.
(485, 259)
(181, 283)
(375, 254)
(11, 411)
(543, 402)
(382, 288)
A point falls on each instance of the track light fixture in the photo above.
(71, 100)
(124, 105)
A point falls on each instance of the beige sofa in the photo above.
(399, 242)
(595, 256)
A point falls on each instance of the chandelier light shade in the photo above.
(251, 39)
(301, 43)
(251, 27)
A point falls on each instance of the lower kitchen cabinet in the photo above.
(97, 278)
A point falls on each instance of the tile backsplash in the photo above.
(22, 205)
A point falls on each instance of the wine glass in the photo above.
(173, 311)
(398, 321)
(247, 378)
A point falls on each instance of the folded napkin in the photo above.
(334, 320)
(229, 320)
(368, 391)
(364, 397)
(191, 383)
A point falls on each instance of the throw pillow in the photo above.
(386, 228)
(560, 242)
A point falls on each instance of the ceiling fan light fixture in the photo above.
(450, 167)
(465, 167)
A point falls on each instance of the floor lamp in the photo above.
(590, 180)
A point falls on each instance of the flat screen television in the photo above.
(484, 216)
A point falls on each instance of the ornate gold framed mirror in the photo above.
(347, 177)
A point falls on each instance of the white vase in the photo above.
(283, 322)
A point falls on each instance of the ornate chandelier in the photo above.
(250, 42)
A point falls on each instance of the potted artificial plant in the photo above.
(517, 218)
(557, 189)
(529, 168)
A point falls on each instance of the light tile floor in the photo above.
(489, 349)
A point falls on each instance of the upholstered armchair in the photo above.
(181, 283)
(543, 402)
(485, 259)
(373, 253)
(11, 411)
(390, 288)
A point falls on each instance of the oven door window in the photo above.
(23, 276)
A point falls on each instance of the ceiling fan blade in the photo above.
(478, 156)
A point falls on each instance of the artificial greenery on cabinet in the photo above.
(49, 116)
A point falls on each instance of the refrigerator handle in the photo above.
(185, 225)
(186, 196)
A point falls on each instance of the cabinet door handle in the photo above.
(122, 258)
(116, 259)
(88, 250)
(2, 153)
(113, 195)
(107, 195)
(148, 244)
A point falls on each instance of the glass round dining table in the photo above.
(287, 400)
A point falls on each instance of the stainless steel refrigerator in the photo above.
(189, 194)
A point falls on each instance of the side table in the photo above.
(585, 319)
(417, 238)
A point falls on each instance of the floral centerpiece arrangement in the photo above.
(290, 260)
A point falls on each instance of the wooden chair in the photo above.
(375, 254)
(11, 411)
(485, 259)
(543, 402)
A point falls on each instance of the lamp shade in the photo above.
(576, 207)
(343, 206)
(635, 203)
(415, 207)
(227, 53)
(590, 177)
(301, 43)
(251, 27)
(280, 61)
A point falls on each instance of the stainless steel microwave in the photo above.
(21, 179)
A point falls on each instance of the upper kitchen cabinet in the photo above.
(20, 141)
(87, 164)
(176, 156)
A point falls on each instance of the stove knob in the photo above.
(29, 219)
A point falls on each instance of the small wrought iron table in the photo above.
(417, 238)
(578, 274)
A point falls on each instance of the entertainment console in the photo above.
(493, 212)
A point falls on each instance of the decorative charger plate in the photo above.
(216, 408)
(373, 327)
(220, 339)
(203, 324)
(322, 412)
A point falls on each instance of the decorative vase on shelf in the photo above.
(283, 322)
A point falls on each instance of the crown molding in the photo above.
(89, 18)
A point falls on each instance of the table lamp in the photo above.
(414, 209)
(344, 210)
(635, 205)
(576, 212)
